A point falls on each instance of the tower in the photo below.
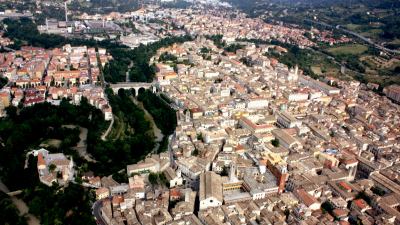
(232, 173)
(66, 11)
(47, 25)
(343, 68)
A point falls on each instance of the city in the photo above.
(189, 115)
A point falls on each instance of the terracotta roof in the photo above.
(344, 222)
(340, 213)
(41, 161)
(175, 193)
(118, 199)
(360, 203)
(306, 198)
(345, 186)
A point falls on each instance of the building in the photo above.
(146, 166)
(102, 193)
(393, 92)
(210, 193)
(54, 167)
(174, 177)
(285, 139)
(287, 121)
(310, 201)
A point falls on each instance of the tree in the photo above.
(233, 48)
(275, 142)
(200, 137)
(52, 167)
(164, 116)
(153, 178)
(9, 213)
(378, 191)
(163, 180)
(327, 206)
(120, 177)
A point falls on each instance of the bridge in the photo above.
(134, 85)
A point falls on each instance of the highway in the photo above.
(369, 41)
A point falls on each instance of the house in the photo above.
(102, 193)
(308, 200)
(174, 177)
(360, 206)
(137, 185)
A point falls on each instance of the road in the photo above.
(369, 41)
(97, 212)
(8, 49)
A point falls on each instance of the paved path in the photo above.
(127, 72)
(21, 206)
(105, 134)
(81, 147)
(157, 132)
(23, 210)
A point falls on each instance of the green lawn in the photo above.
(351, 49)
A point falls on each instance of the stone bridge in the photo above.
(135, 86)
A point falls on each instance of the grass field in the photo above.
(55, 143)
(353, 27)
(395, 41)
(373, 33)
(351, 49)
(316, 70)
(119, 128)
